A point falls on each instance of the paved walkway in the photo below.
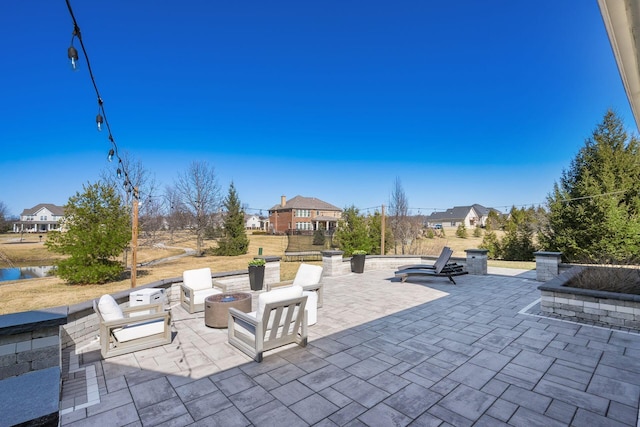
(383, 353)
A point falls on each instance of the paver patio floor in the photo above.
(383, 353)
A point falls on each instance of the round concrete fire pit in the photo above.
(216, 308)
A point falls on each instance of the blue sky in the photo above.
(466, 102)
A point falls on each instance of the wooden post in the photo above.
(134, 239)
(382, 232)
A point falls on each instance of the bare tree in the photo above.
(149, 216)
(176, 214)
(199, 193)
(404, 232)
(4, 217)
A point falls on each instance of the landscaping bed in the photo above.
(608, 301)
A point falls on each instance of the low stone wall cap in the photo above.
(16, 323)
(329, 253)
(543, 253)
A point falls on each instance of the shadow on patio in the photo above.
(382, 353)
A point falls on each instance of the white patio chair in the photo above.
(196, 286)
(280, 319)
(124, 331)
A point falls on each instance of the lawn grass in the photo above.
(23, 295)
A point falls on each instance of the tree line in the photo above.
(592, 215)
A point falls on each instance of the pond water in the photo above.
(19, 273)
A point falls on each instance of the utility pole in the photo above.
(382, 232)
(134, 238)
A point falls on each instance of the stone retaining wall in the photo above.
(585, 305)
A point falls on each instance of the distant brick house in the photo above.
(39, 219)
(303, 213)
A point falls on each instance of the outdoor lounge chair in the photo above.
(125, 330)
(280, 319)
(443, 259)
(196, 286)
(440, 269)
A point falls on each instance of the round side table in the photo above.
(216, 307)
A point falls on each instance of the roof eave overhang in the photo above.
(622, 22)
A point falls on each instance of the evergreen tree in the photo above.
(517, 243)
(95, 231)
(352, 232)
(375, 234)
(235, 240)
(461, 231)
(594, 211)
(491, 243)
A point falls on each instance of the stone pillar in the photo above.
(271, 270)
(332, 263)
(547, 265)
(477, 261)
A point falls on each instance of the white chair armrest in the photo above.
(156, 307)
(245, 317)
(137, 319)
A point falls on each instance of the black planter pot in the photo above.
(357, 263)
(256, 277)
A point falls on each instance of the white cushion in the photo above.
(198, 279)
(132, 332)
(308, 274)
(312, 307)
(199, 296)
(281, 294)
(109, 308)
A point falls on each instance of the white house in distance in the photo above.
(39, 219)
(255, 222)
(470, 216)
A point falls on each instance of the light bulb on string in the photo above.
(110, 156)
(72, 53)
(119, 173)
(99, 122)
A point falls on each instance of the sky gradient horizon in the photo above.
(469, 102)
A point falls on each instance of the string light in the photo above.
(99, 121)
(101, 118)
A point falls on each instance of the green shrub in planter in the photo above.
(256, 274)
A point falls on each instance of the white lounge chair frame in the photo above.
(109, 344)
(290, 314)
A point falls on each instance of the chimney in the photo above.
(283, 201)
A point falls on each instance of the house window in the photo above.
(303, 226)
(453, 223)
(303, 213)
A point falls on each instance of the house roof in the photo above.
(54, 209)
(459, 213)
(300, 202)
(622, 22)
(455, 213)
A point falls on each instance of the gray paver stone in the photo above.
(360, 391)
(151, 392)
(162, 412)
(348, 413)
(251, 398)
(314, 408)
(383, 415)
(467, 402)
(413, 400)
